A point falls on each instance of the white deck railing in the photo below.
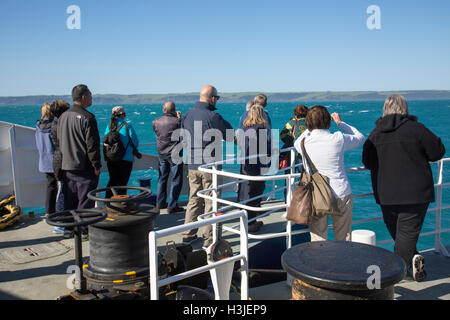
(290, 181)
(241, 228)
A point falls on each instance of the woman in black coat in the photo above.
(397, 153)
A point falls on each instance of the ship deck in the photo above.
(34, 263)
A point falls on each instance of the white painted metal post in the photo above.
(289, 223)
(437, 237)
(244, 251)
(153, 257)
(438, 246)
(292, 161)
(214, 202)
(15, 174)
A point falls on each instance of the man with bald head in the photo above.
(205, 130)
(164, 127)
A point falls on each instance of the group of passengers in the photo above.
(397, 153)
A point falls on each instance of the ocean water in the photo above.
(361, 114)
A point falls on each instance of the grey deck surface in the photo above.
(35, 263)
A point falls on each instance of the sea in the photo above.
(434, 114)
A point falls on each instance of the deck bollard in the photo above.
(341, 270)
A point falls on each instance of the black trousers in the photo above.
(52, 191)
(77, 184)
(119, 174)
(404, 223)
(248, 190)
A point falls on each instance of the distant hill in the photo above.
(238, 97)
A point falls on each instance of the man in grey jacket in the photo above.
(164, 127)
(79, 143)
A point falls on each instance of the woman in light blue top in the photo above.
(120, 171)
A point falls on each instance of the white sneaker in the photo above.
(418, 265)
(58, 230)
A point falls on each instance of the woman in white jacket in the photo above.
(326, 151)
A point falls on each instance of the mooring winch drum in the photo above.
(119, 244)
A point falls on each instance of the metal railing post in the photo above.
(244, 252)
(438, 246)
(153, 264)
(214, 202)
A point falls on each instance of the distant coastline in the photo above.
(238, 97)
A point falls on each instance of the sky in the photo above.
(148, 46)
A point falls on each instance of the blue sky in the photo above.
(144, 46)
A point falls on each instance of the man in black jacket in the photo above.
(164, 127)
(397, 153)
(205, 130)
(79, 143)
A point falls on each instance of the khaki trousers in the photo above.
(342, 225)
(196, 206)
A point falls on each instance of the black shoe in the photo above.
(177, 209)
(163, 206)
(85, 237)
(255, 226)
(189, 240)
(68, 234)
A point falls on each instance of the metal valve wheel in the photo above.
(144, 193)
(76, 218)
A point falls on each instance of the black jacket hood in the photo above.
(393, 121)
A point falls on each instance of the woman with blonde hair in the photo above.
(397, 153)
(255, 130)
(46, 149)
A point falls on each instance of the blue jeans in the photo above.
(166, 166)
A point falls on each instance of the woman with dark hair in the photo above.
(57, 108)
(326, 151)
(120, 171)
(293, 129)
(397, 153)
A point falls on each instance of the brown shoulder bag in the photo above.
(312, 197)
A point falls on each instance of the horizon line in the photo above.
(235, 92)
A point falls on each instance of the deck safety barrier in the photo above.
(211, 218)
(211, 194)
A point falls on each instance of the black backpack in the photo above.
(113, 148)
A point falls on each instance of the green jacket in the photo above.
(288, 136)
